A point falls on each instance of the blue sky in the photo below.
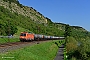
(73, 12)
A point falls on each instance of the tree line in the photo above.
(77, 47)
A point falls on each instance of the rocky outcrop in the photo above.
(24, 10)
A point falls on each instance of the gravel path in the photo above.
(60, 55)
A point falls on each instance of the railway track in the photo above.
(16, 45)
(11, 44)
(19, 43)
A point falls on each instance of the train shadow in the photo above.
(56, 44)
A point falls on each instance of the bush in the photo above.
(79, 49)
(71, 45)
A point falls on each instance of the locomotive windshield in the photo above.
(23, 34)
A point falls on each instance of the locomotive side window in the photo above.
(23, 35)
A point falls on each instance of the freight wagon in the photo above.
(25, 36)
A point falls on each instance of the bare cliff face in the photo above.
(24, 10)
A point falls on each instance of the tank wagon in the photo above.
(25, 36)
(38, 37)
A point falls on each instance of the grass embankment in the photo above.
(42, 51)
(20, 29)
(6, 40)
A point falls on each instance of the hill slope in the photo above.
(15, 6)
(14, 17)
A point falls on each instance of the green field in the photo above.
(42, 51)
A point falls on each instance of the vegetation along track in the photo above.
(15, 45)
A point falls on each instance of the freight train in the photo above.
(25, 36)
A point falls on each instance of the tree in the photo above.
(10, 28)
(67, 32)
(71, 44)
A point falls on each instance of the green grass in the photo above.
(65, 54)
(5, 40)
(42, 51)
(20, 29)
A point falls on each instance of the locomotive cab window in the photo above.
(23, 35)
